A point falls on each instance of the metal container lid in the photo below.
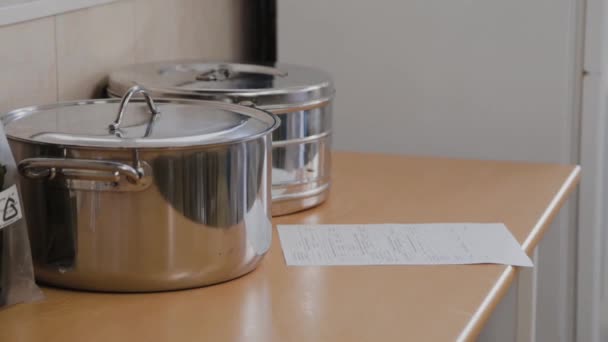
(142, 124)
(282, 88)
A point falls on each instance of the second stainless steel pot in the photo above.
(173, 194)
(301, 96)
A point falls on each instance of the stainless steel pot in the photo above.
(173, 194)
(300, 96)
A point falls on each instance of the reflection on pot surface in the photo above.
(210, 187)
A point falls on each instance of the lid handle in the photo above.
(134, 90)
(223, 72)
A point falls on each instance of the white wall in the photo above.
(440, 76)
(592, 310)
(488, 79)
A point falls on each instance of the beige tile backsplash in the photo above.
(27, 64)
(68, 56)
(90, 43)
(183, 29)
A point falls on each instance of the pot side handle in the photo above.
(89, 169)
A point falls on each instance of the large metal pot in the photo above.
(174, 194)
(301, 97)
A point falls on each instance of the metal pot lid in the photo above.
(269, 87)
(140, 124)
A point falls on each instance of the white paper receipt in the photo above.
(401, 244)
(10, 207)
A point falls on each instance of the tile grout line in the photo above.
(134, 10)
(56, 58)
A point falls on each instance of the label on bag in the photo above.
(10, 206)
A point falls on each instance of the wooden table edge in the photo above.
(500, 288)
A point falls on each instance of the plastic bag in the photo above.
(17, 283)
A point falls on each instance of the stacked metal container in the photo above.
(301, 97)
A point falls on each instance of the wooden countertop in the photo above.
(381, 303)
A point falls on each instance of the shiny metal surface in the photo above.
(49, 168)
(180, 124)
(203, 217)
(300, 96)
(270, 87)
(302, 182)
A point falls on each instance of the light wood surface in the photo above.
(372, 303)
